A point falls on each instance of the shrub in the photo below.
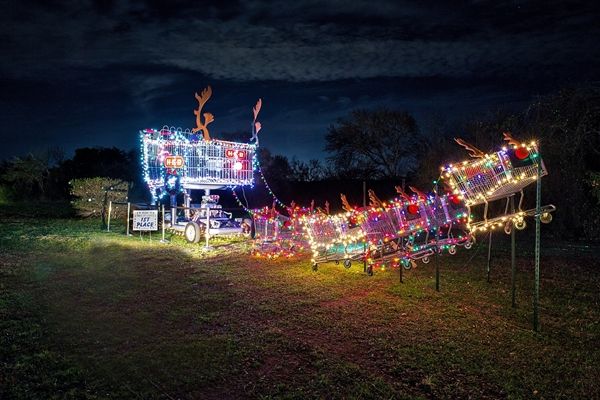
(6, 194)
(91, 196)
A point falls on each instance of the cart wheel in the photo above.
(468, 245)
(347, 264)
(406, 264)
(370, 270)
(192, 232)
(508, 228)
(337, 262)
(520, 225)
(425, 260)
(315, 267)
(546, 218)
(452, 250)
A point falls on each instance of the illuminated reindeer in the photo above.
(208, 117)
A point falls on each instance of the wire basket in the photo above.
(495, 176)
(266, 229)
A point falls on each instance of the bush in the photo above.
(6, 195)
(91, 196)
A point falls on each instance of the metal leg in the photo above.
(365, 242)
(437, 260)
(538, 205)
(513, 266)
(489, 258)
(207, 229)
(437, 273)
(401, 268)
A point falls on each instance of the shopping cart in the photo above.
(272, 236)
(414, 228)
(498, 176)
(331, 238)
(397, 232)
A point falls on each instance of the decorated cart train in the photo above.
(398, 232)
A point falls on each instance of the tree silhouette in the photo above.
(375, 144)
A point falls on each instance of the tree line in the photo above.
(381, 146)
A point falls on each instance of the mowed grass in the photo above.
(91, 314)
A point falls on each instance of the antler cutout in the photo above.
(345, 205)
(256, 126)
(473, 151)
(208, 117)
(402, 193)
(374, 201)
(419, 194)
(510, 139)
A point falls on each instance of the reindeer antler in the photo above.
(208, 117)
(345, 205)
(508, 137)
(473, 151)
(256, 108)
(256, 126)
(374, 201)
(326, 207)
(402, 193)
(419, 194)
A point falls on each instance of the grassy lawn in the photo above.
(91, 314)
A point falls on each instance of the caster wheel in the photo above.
(452, 250)
(406, 264)
(546, 218)
(520, 225)
(347, 264)
(370, 270)
(508, 228)
(337, 262)
(425, 260)
(468, 245)
(315, 267)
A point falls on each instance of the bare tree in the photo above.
(375, 144)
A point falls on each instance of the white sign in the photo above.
(145, 220)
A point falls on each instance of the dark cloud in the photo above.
(303, 41)
(116, 66)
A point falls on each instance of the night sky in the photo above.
(92, 73)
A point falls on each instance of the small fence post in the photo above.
(128, 211)
(163, 223)
(108, 219)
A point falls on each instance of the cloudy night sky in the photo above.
(92, 73)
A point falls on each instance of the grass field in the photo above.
(90, 314)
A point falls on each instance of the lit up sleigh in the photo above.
(176, 160)
(497, 176)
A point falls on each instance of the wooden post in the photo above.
(163, 223)
(128, 211)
